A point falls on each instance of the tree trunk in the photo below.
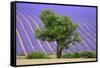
(59, 52)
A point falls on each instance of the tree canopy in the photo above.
(59, 28)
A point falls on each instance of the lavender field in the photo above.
(27, 20)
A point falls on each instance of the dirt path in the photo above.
(44, 61)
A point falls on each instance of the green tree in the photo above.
(57, 28)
